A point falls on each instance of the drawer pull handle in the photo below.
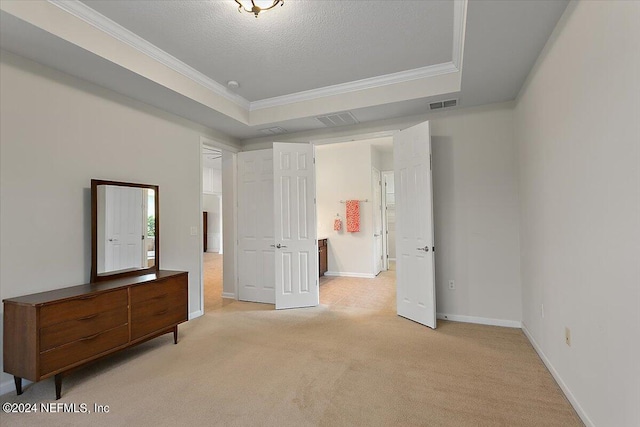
(91, 337)
(91, 316)
(87, 297)
(160, 313)
(160, 296)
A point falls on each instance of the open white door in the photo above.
(376, 184)
(296, 254)
(256, 275)
(414, 233)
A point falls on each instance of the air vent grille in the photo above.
(338, 119)
(443, 104)
(273, 131)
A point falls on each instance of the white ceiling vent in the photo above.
(443, 104)
(273, 131)
(338, 119)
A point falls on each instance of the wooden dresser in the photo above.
(322, 257)
(53, 332)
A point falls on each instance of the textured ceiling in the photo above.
(302, 45)
(502, 42)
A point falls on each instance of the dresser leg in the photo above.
(175, 334)
(18, 382)
(58, 380)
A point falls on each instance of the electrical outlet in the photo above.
(452, 284)
(542, 310)
(567, 336)
(194, 231)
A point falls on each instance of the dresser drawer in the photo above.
(82, 349)
(158, 314)
(81, 307)
(72, 330)
(159, 290)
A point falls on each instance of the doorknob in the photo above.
(280, 246)
(426, 249)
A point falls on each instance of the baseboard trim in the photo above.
(195, 314)
(479, 320)
(10, 387)
(229, 295)
(563, 386)
(347, 274)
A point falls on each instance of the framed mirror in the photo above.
(125, 238)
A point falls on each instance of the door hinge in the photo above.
(142, 237)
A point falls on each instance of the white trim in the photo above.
(480, 320)
(216, 144)
(113, 29)
(347, 274)
(392, 259)
(357, 137)
(201, 219)
(459, 28)
(342, 88)
(230, 295)
(195, 314)
(101, 22)
(563, 386)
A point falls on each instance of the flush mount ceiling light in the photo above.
(257, 6)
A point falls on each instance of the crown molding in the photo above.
(459, 28)
(369, 83)
(101, 22)
(115, 30)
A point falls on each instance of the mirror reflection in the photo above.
(126, 220)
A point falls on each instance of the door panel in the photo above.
(414, 225)
(296, 254)
(376, 182)
(255, 227)
(123, 228)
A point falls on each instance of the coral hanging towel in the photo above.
(353, 216)
(337, 224)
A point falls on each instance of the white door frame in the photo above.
(385, 224)
(230, 226)
(375, 170)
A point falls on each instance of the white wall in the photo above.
(578, 127)
(57, 133)
(476, 214)
(211, 203)
(343, 172)
(386, 161)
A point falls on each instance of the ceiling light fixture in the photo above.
(257, 6)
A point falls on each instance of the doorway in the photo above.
(212, 197)
(356, 273)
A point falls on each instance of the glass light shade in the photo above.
(257, 6)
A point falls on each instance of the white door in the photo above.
(256, 275)
(414, 225)
(376, 182)
(296, 252)
(123, 228)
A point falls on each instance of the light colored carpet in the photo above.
(246, 364)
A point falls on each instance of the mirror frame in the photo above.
(95, 277)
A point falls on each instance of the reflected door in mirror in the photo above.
(126, 228)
